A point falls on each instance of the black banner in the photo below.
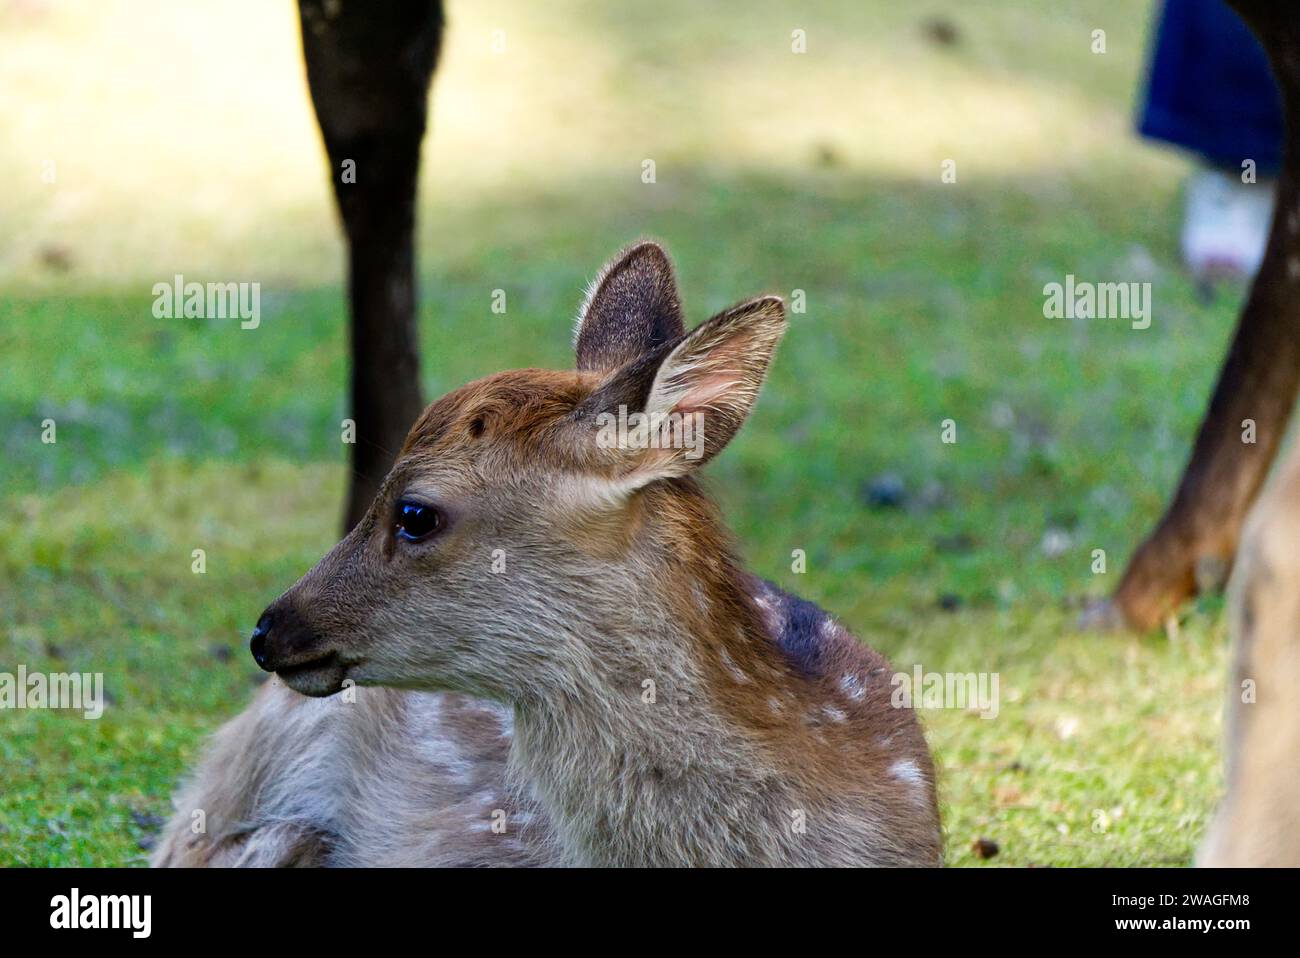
(984, 907)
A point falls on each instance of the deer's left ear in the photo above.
(675, 409)
(632, 308)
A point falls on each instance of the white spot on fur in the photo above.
(834, 714)
(701, 599)
(774, 704)
(906, 770)
(507, 719)
(445, 753)
(735, 670)
(851, 684)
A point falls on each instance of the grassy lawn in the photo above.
(775, 171)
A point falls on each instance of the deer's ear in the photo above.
(631, 309)
(675, 409)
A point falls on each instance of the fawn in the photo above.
(576, 668)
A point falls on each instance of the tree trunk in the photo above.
(369, 63)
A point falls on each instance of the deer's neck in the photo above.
(642, 756)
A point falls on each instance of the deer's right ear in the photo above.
(631, 309)
(674, 409)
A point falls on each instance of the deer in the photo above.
(616, 690)
(1258, 821)
(1229, 514)
(1194, 545)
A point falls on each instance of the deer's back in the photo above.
(865, 755)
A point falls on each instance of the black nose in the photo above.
(285, 639)
(257, 642)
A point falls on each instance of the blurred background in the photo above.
(183, 141)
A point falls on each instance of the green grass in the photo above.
(775, 172)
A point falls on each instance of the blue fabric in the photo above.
(1211, 90)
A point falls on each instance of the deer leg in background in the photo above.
(1258, 382)
(369, 65)
(1258, 822)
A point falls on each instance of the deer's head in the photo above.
(527, 509)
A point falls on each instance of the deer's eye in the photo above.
(415, 520)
